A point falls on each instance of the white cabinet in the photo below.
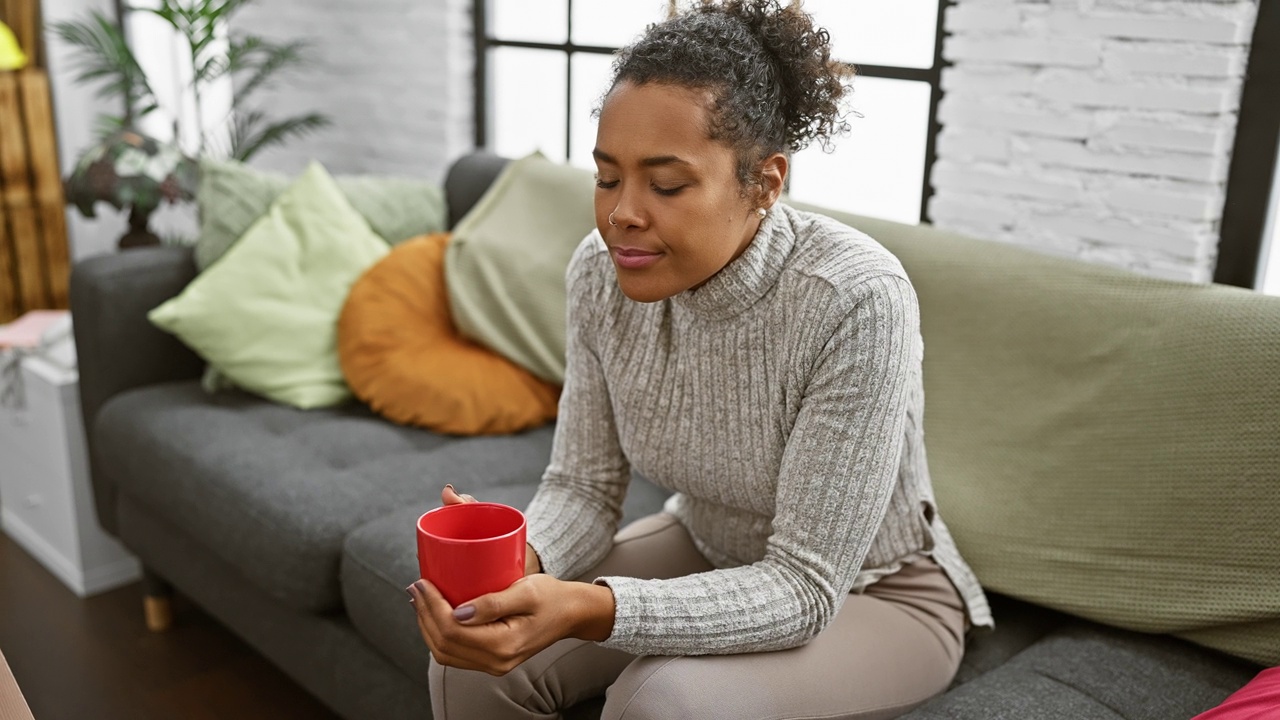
(46, 502)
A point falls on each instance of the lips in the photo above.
(634, 258)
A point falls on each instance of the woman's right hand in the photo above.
(532, 565)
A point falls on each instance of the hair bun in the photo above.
(774, 84)
(810, 84)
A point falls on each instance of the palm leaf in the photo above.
(264, 62)
(241, 54)
(252, 133)
(102, 55)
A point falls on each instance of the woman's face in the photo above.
(678, 211)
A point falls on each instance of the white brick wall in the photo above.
(395, 76)
(1095, 129)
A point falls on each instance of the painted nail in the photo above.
(465, 612)
(409, 590)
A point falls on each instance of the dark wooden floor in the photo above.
(94, 658)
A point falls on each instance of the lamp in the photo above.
(128, 170)
(11, 55)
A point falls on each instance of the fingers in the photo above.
(519, 599)
(449, 496)
(452, 644)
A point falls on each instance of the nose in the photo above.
(629, 212)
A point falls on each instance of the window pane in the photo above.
(878, 169)
(591, 73)
(532, 20)
(1269, 262)
(876, 32)
(527, 97)
(614, 23)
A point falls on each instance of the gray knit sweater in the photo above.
(782, 402)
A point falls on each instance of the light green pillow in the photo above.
(232, 196)
(265, 316)
(505, 265)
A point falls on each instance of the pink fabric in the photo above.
(25, 331)
(1258, 700)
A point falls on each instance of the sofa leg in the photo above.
(157, 605)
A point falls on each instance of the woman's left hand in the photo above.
(496, 632)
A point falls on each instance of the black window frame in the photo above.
(1253, 158)
(484, 41)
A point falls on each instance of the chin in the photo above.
(643, 290)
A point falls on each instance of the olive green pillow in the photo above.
(505, 266)
(265, 316)
(1100, 442)
(231, 196)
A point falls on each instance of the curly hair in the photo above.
(769, 70)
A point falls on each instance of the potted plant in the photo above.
(134, 172)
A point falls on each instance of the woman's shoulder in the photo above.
(831, 253)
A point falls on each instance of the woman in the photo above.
(764, 364)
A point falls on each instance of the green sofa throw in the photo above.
(505, 265)
(265, 316)
(232, 196)
(1101, 442)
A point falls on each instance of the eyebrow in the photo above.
(603, 156)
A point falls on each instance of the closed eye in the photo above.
(668, 191)
(606, 184)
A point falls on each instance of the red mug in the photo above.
(471, 549)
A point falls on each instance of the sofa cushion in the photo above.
(232, 196)
(274, 491)
(1089, 671)
(380, 559)
(265, 315)
(1092, 432)
(1019, 625)
(401, 353)
(505, 267)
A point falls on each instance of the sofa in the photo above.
(294, 528)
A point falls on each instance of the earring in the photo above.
(761, 212)
(611, 222)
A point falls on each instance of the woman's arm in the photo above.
(573, 516)
(837, 474)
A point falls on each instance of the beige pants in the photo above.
(888, 650)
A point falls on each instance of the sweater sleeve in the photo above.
(575, 512)
(838, 470)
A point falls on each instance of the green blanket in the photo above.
(1103, 443)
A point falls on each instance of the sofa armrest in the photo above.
(117, 347)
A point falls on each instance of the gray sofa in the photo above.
(295, 528)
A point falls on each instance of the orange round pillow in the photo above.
(401, 353)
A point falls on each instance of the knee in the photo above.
(461, 694)
(653, 688)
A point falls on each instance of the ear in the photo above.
(773, 177)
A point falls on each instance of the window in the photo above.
(543, 64)
(164, 56)
(1249, 219)
(1269, 270)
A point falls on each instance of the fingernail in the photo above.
(409, 590)
(449, 486)
(465, 612)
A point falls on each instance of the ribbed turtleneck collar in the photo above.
(745, 280)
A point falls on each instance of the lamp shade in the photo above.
(130, 171)
(11, 55)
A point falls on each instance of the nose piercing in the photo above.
(611, 222)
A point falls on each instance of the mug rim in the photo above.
(491, 538)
